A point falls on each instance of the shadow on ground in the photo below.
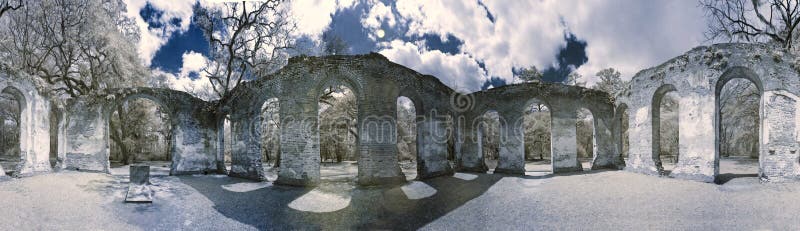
(369, 208)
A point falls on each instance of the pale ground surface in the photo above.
(602, 200)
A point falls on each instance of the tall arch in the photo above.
(22, 123)
(655, 109)
(732, 73)
(622, 117)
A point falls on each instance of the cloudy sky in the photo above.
(469, 45)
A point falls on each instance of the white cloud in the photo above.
(460, 71)
(152, 39)
(192, 62)
(628, 35)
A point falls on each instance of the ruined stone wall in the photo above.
(85, 138)
(34, 125)
(698, 77)
(563, 101)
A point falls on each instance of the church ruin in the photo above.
(197, 144)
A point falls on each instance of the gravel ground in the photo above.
(604, 200)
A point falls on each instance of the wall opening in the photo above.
(11, 103)
(665, 109)
(585, 138)
(537, 138)
(227, 143)
(624, 143)
(489, 138)
(738, 123)
(270, 137)
(140, 133)
(407, 137)
(338, 134)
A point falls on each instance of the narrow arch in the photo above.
(14, 130)
(623, 120)
(408, 137)
(743, 80)
(656, 113)
(338, 129)
(489, 138)
(586, 137)
(270, 136)
(537, 132)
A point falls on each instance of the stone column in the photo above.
(640, 149)
(377, 144)
(34, 136)
(194, 147)
(564, 138)
(697, 142)
(300, 158)
(432, 146)
(86, 139)
(779, 145)
(246, 160)
(471, 154)
(606, 154)
(512, 143)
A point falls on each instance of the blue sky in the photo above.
(468, 45)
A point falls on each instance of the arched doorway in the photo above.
(407, 137)
(585, 138)
(623, 144)
(537, 132)
(270, 137)
(338, 134)
(140, 133)
(738, 123)
(665, 128)
(489, 138)
(12, 102)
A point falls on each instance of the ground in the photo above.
(602, 200)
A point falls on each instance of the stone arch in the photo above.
(737, 72)
(23, 126)
(655, 113)
(159, 102)
(622, 118)
(527, 107)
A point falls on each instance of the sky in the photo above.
(468, 45)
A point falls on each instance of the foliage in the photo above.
(530, 74)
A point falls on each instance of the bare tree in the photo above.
(247, 39)
(753, 20)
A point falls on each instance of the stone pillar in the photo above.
(300, 158)
(432, 135)
(640, 151)
(246, 157)
(697, 142)
(377, 144)
(607, 153)
(779, 145)
(564, 149)
(34, 136)
(194, 147)
(512, 143)
(86, 139)
(471, 150)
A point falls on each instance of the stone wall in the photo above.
(34, 125)
(698, 77)
(85, 138)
